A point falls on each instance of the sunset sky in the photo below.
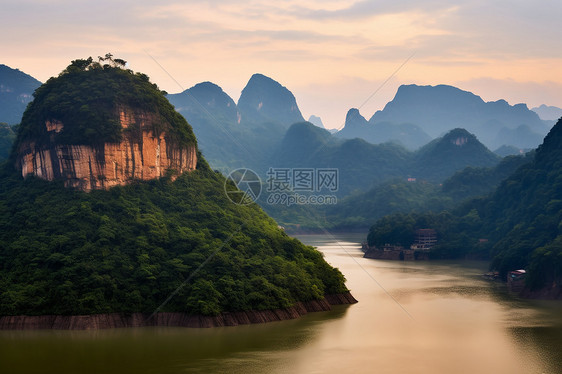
(333, 55)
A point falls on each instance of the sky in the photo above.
(333, 55)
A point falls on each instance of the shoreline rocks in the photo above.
(171, 319)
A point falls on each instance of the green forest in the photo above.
(126, 249)
(360, 209)
(7, 137)
(517, 226)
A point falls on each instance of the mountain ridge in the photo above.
(16, 89)
(437, 109)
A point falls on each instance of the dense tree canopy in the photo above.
(7, 137)
(127, 249)
(521, 220)
(86, 96)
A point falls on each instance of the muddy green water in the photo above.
(423, 317)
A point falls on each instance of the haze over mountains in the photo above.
(265, 100)
(235, 136)
(266, 129)
(258, 133)
(435, 110)
(416, 115)
(16, 89)
(406, 134)
(548, 113)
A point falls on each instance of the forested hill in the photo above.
(128, 248)
(520, 221)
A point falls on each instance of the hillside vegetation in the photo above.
(129, 248)
(520, 221)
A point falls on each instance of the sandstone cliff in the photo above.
(141, 155)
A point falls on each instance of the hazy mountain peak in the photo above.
(454, 151)
(443, 90)
(316, 121)
(306, 130)
(355, 119)
(16, 91)
(459, 137)
(10, 77)
(205, 100)
(206, 87)
(438, 109)
(549, 113)
(211, 95)
(264, 99)
(405, 134)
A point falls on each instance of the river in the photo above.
(412, 317)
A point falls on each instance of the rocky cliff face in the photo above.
(117, 320)
(141, 155)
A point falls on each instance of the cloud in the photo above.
(362, 10)
(306, 43)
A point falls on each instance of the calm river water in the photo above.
(422, 317)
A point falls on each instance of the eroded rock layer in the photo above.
(141, 155)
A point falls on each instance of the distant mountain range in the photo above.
(239, 135)
(548, 113)
(16, 91)
(402, 196)
(316, 121)
(259, 131)
(381, 179)
(362, 164)
(434, 110)
(406, 134)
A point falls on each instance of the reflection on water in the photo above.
(455, 322)
(159, 350)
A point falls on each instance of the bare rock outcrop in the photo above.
(141, 155)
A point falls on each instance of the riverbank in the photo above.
(395, 253)
(550, 292)
(171, 319)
